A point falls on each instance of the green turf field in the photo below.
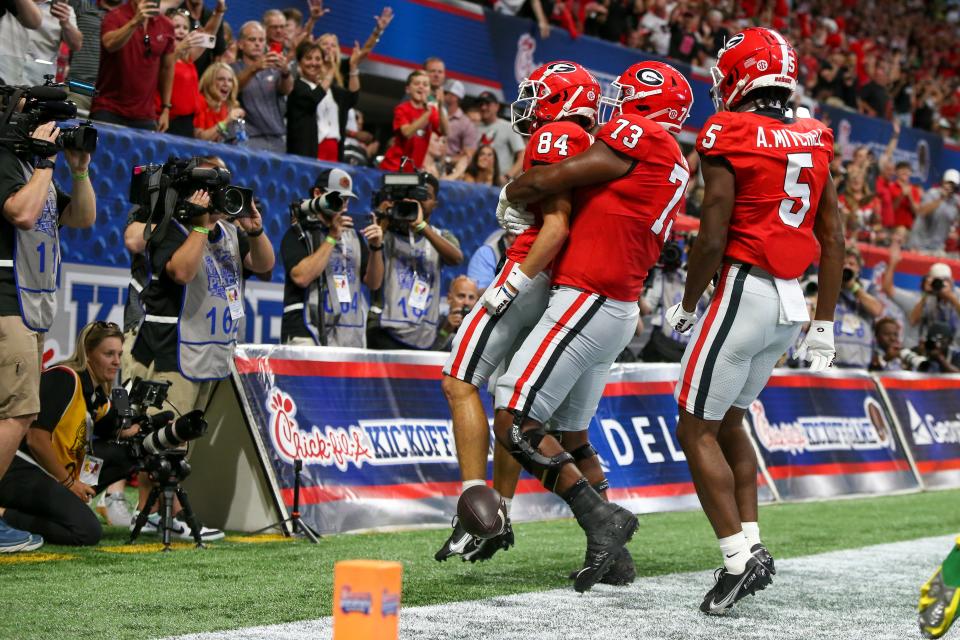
(63, 592)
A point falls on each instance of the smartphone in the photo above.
(208, 41)
(277, 48)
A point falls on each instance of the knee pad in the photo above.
(525, 448)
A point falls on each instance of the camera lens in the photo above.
(847, 274)
(232, 201)
(937, 284)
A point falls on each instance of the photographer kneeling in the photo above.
(60, 465)
(413, 254)
(324, 263)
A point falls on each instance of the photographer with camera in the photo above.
(325, 262)
(407, 307)
(71, 453)
(855, 313)
(34, 208)
(193, 304)
(664, 289)
(938, 211)
(461, 297)
(937, 347)
(938, 301)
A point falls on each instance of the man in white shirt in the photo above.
(27, 55)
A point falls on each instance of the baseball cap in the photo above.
(335, 180)
(940, 270)
(456, 88)
(951, 175)
(487, 96)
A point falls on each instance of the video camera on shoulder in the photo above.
(162, 190)
(41, 104)
(399, 189)
(159, 433)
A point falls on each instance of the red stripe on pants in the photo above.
(462, 348)
(702, 338)
(542, 349)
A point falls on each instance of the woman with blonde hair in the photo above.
(219, 115)
(70, 454)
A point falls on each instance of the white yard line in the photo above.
(867, 593)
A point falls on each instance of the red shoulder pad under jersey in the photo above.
(555, 142)
(720, 134)
(632, 135)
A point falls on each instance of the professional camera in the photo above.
(848, 275)
(41, 104)
(671, 256)
(159, 434)
(937, 284)
(399, 189)
(314, 212)
(162, 190)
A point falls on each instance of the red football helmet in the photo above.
(555, 91)
(754, 58)
(653, 90)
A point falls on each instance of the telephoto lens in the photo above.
(170, 436)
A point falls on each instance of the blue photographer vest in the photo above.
(206, 331)
(406, 260)
(36, 264)
(344, 323)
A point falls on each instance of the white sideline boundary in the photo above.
(866, 593)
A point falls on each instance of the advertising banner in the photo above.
(928, 412)
(828, 435)
(373, 431)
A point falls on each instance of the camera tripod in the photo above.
(299, 527)
(168, 471)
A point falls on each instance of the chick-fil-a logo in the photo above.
(336, 446)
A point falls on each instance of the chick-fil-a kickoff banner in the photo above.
(374, 434)
(928, 411)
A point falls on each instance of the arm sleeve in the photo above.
(11, 176)
(449, 237)
(161, 253)
(63, 198)
(243, 244)
(364, 258)
(482, 267)
(57, 387)
(292, 250)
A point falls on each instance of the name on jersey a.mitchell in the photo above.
(785, 138)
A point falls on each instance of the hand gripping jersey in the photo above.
(550, 143)
(619, 226)
(781, 168)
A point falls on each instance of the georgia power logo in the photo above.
(650, 77)
(337, 446)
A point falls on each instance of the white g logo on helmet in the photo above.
(650, 77)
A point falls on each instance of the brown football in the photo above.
(481, 511)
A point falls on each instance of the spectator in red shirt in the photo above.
(136, 60)
(218, 112)
(906, 196)
(413, 122)
(186, 94)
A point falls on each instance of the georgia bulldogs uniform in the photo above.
(484, 340)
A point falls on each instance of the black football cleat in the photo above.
(486, 548)
(608, 527)
(459, 542)
(622, 570)
(760, 553)
(732, 587)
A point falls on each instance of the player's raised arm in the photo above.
(707, 252)
(598, 164)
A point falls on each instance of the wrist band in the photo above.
(855, 289)
(202, 230)
(331, 240)
(355, 72)
(81, 176)
(255, 234)
(68, 482)
(379, 247)
(222, 126)
(420, 226)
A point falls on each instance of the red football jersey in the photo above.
(619, 226)
(780, 171)
(550, 143)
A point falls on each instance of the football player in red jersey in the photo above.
(628, 188)
(768, 200)
(556, 106)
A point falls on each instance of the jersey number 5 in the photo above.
(795, 190)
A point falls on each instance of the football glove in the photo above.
(680, 319)
(817, 346)
(496, 299)
(516, 221)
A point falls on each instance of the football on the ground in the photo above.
(481, 511)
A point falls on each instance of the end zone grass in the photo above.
(100, 593)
